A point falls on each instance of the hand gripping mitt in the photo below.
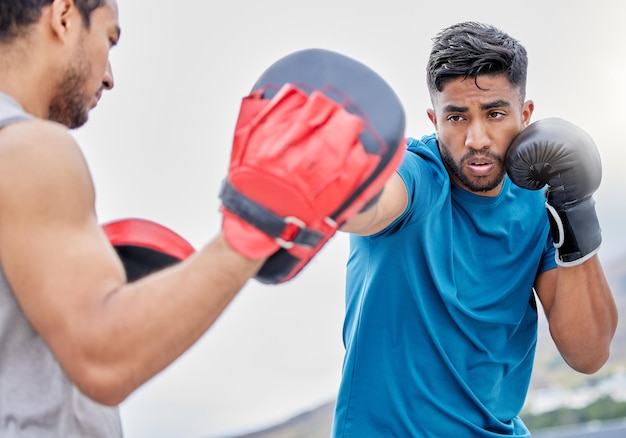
(315, 141)
(145, 247)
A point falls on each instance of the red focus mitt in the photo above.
(145, 246)
(314, 143)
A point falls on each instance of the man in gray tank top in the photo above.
(78, 332)
(75, 337)
(36, 396)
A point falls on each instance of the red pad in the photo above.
(316, 140)
(145, 246)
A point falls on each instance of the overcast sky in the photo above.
(159, 144)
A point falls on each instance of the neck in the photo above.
(25, 77)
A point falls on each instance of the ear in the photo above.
(62, 17)
(527, 112)
(432, 116)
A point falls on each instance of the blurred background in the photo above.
(158, 146)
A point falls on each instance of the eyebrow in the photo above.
(486, 106)
(496, 104)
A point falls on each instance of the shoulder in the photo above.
(38, 135)
(422, 162)
(424, 152)
(426, 145)
(37, 144)
(38, 158)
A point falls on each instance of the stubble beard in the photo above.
(69, 106)
(474, 184)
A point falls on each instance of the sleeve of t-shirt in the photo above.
(422, 177)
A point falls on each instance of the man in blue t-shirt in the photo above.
(441, 322)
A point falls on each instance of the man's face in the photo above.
(88, 73)
(475, 127)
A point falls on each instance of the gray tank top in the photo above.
(37, 399)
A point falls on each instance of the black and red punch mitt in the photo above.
(315, 141)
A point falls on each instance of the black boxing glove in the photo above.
(563, 156)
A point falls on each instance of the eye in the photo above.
(455, 118)
(496, 115)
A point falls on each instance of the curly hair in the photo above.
(470, 49)
(17, 15)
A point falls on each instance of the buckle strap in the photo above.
(287, 231)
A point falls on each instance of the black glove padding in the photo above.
(560, 154)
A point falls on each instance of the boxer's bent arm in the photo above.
(581, 313)
(389, 206)
(109, 336)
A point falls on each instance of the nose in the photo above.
(477, 135)
(107, 81)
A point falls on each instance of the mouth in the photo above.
(480, 165)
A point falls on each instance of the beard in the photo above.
(474, 183)
(69, 106)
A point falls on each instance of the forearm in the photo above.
(583, 316)
(144, 326)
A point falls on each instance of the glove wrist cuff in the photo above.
(575, 231)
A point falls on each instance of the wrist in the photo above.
(231, 251)
(575, 230)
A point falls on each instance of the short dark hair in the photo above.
(17, 15)
(470, 49)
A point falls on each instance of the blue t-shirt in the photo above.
(441, 321)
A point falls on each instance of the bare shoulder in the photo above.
(41, 161)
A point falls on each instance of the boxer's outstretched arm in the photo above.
(109, 336)
(389, 206)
